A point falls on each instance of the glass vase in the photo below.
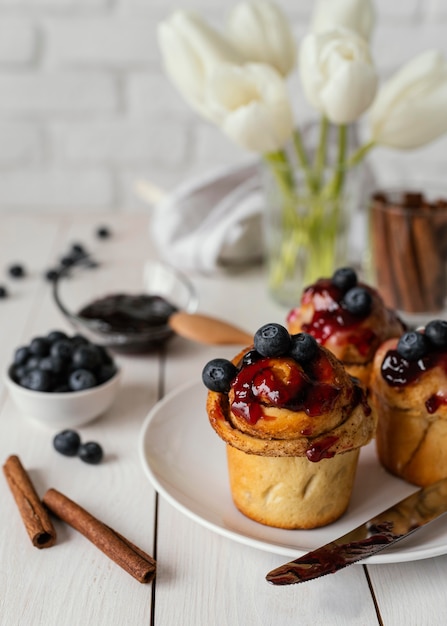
(308, 222)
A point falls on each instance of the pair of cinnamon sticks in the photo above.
(409, 244)
(36, 519)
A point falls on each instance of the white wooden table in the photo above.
(203, 579)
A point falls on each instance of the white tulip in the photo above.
(337, 74)
(357, 15)
(411, 107)
(191, 49)
(251, 105)
(262, 34)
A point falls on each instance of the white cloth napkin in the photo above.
(213, 221)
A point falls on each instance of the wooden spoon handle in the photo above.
(208, 330)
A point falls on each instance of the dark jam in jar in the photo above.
(133, 315)
(330, 317)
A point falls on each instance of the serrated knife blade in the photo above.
(374, 535)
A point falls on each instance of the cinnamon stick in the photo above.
(431, 264)
(382, 249)
(136, 562)
(34, 515)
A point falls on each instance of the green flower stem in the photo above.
(302, 158)
(320, 154)
(360, 154)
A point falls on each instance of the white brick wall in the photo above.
(85, 109)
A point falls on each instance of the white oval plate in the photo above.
(186, 462)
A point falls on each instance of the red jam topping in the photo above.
(434, 402)
(320, 450)
(330, 317)
(399, 372)
(258, 385)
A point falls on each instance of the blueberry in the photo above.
(103, 232)
(62, 349)
(78, 250)
(412, 345)
(86, 356)
(32, 363)
(21, 355)
(81, 379)
(106, 359)
(304, 347)
(53, 364)
(105, 372)
(56, 335)
(272, 340)
(218, 374)
(357, 301)
(52, 274)
(79, 340)
(3, 292)
(344, 278)
(36, 380)
(39, 346)
(67, 442)
(16, 270)
(436, 333)
(90, 452)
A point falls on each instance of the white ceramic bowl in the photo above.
(64, 410)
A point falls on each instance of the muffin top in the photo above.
(346, 316)
(287, 396)
(412, 371)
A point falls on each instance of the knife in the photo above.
(383, 530)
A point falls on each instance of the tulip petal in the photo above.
(261, 33)
(410, 109)
(252, 106)
(191, 49)
(350, 91)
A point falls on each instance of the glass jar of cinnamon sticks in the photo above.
(409, 252)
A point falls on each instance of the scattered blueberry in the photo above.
(357, 301)
(272, 340)
(103, 232)
(52, 274)
(3, 292)
(90, 452)
(344, 278)
(412, 345)
(36, 380)
(304, 347)
(78, 250)
(436, 332)
(82, 379)
(218, 374)
(16, 270)
(67, 442)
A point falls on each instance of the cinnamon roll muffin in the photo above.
(294, 421)
(409, 391)
(348, 317)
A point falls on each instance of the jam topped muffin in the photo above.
(409, 390)
(294, 421)
(348, 317)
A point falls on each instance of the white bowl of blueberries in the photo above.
(61, 380)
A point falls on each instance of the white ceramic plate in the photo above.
(185, 461)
